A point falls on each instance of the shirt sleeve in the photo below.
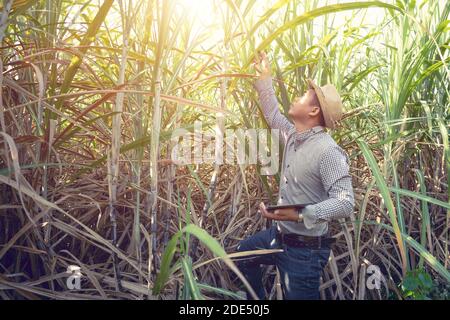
(334, 171)
(269, 106)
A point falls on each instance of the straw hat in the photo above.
(330, 103)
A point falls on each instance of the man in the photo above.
(315, 171)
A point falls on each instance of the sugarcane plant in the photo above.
(93, 94)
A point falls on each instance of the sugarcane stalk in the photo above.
(155, 103)
(3, 24)
(218, 155)
(154, 166)
(115, 141)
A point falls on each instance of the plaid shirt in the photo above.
(314, 170)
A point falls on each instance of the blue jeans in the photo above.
(299, 268)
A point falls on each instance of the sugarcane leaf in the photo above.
(384, 190)
(307, 16)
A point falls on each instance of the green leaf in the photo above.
(207, 240)
(420, 196)
(186, 264)
(410, 283)
(88, 38)
(307, 16)
(425, 280)
(429, 258)
(166, 261)
(384, 190)
(221, 291)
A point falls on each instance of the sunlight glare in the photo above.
(206, 18)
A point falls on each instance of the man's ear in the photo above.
(314, 112)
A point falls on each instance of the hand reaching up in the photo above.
(262, 66)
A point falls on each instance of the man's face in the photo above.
(302, 106)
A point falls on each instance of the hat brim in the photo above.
(323, 104)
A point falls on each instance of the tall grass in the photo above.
(92, 92)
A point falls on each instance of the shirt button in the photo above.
(288, 165)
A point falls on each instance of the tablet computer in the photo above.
(286, 206)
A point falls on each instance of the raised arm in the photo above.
(268, 100)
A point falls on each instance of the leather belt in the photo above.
(300, 241)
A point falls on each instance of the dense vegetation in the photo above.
(93, 90)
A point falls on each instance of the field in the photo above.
(94, 92)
